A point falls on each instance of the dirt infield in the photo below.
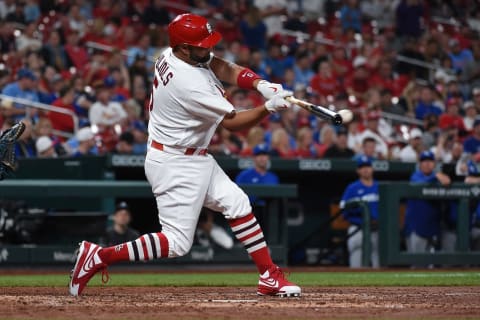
(240, 303)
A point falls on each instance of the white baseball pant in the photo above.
(182, 185)
(354, 244)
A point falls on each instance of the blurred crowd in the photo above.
(409, 69)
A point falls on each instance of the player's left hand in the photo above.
(278, 102)
(269, 89)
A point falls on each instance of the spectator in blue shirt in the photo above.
(472, 143)
(277, 62)
(23, 88)
(460, 57)
(83, 144)
(143, 49)
(350, 16)
(259, 173)
(140, 133)
(422, 218)
(258, 65)
(31, 11)
(253, 29)
(425, 104)
(365, 189)
(303, 69)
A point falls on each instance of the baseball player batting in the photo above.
(186, 106)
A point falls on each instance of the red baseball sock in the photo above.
(248, 231)
(149, 246)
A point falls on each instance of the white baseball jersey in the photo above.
(187, 103)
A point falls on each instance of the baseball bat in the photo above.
(319, 111)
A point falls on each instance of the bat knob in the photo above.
(337, 119)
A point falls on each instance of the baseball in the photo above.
(346, 115)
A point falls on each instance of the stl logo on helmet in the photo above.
(209, 27)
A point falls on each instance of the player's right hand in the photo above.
(269, 89)
(278, 102)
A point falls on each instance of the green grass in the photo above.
(305, 279)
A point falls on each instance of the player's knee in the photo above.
(240, 207)
(178, 247)
(180, 250)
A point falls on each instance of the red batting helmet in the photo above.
(192, 30)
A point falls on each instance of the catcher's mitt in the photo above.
(7, 149)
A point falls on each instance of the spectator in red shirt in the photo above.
(126, 37)
(325, 81)
(61, 121)
(357, 84)
(336, 33)
(76, 53)
(385, 78)
(340, 64)
(452, 118)
(103, 9)
(96, 70)
(228, 26)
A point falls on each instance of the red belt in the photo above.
(185, 151)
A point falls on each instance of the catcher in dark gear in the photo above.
(7, 149)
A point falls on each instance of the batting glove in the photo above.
(278, 102)
(268, 89)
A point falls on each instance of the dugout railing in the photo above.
(392, 194)
(365, 228)
(4, 99)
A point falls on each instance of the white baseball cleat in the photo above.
(274, 283)
(87, 265)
